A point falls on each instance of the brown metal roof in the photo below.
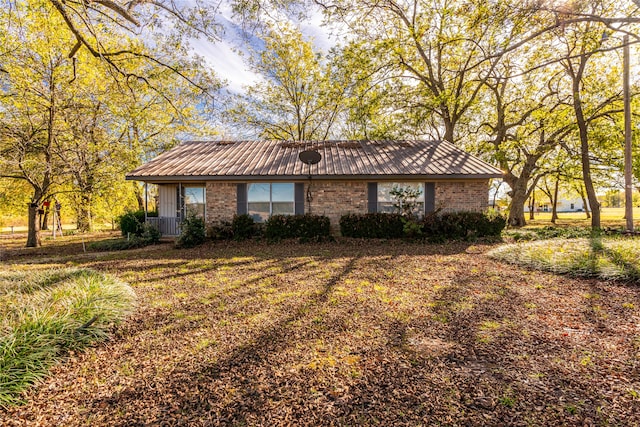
(261, 160)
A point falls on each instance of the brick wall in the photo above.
(221, 201)
(462, 195)
(336, 198)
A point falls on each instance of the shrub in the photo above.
(131, 223)
(44, 315)
(243, 227)
(192, 232)
(372, 225)
(220, 231)
(313, 227)
(461, 225)
(435, 227)
(150, 234)
(306, 227)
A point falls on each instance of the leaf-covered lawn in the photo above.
(347, 333)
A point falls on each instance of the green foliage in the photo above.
(607, 258)
(406, 200)
(150, 234)
(306, 227)
(70, 125)
(299, 95)
(243, 227)
(220, 231)
(192, 232)
(131, 223)
(462, 225)
(434, 227)
(372, 226)
(44, 315)
(412, 229)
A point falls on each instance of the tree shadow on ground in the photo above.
(469, 360)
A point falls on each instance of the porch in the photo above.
(173, 202)
(168, 226)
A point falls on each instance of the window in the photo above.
(401, 197)
(194, 201)
(266, 199)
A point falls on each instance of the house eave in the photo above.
(272, 178)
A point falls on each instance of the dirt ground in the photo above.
(346, 333)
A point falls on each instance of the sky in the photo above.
(226, 56)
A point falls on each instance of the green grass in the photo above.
(610, 217)
(46, 314)
(548, 232)
(608, 258)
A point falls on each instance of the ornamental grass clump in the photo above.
(606, 258)
(46, 314)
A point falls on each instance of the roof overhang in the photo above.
(271, 178)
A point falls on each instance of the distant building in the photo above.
(564, 205)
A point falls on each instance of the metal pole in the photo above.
(628, 177)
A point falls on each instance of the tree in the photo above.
(65, 126)
(300, 96)
(525, 118)
(32, 99)
(443, 54)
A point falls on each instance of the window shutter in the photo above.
(372, 197)
(299, 198)
(241, 199)
(429, 197)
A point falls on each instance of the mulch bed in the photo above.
(347, 333)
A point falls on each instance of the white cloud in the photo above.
(226, 56)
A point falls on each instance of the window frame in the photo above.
(271, 200)
(428, 192)
(184, 208)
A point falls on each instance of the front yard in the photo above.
(347, 333)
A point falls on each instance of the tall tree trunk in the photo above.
(449, 123)
(40, 191)
(532, 208)
(584, 144)
(519, 196)
(554, 202)
(585, 204)
(521, 190)
(85, 223)
(45, 219)
(33, 235)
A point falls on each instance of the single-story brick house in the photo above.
(218, 179)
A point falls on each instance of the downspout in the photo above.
(180, 208)
(309, 195)
(146, 201)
